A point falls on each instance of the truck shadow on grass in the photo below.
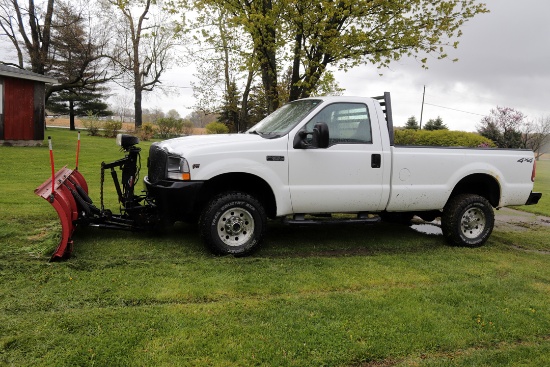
(346, 240)
(183, 241)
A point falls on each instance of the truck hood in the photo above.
(183, 146)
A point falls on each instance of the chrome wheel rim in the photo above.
(235, 227)
(472, 223)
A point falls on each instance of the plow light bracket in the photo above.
(126, 141)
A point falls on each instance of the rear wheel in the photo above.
(233, 223)
(467, 220)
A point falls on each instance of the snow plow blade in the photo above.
(61, 195)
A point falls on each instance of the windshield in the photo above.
(284, 119)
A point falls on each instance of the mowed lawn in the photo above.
(380, 295)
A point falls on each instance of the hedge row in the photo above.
(444, 138)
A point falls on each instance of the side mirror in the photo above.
(319, 137)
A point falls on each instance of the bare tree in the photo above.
(9, 26)
(223, 63)
(122, 106)
(33, 33)
(66, 41)
(536, 136)
(173, 114)
(143, 46)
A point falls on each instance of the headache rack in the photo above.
(385, 102)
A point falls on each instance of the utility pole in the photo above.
(422, 110)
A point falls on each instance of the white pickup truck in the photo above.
(319, 156)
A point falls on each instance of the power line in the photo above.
(177, 86)
(454, 109)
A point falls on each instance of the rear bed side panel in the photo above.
(423, 178)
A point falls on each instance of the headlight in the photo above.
(178, 169)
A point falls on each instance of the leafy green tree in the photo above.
(75, 60)
(230, 112)
(412, 124)
(435, 124)
(310, 35)
(78, 102)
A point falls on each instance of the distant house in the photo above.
(22, 99)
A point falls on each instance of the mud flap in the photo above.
(64, 203)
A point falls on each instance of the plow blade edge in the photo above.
(66, 181)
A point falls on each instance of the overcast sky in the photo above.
(504, 60)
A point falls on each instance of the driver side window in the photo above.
(348, 123)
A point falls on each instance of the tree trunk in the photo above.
(244, 104)
(268, 59)
(269, 79)
(137, 107)
(295, 91)
(71, 116)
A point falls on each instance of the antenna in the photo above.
(422, 110)
(53, 169)
(77, 150)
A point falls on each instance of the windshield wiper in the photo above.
(271, 135)
(263, 135)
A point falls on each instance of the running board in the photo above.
(300, 220)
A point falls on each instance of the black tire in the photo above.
(467, 220)
(233, 223)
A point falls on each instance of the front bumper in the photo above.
(176, 200)
(534, 198)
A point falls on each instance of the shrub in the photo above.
(169, 126)
(111, 128)
(444, 138)
(146, 131)
(92, 124)
(187, 127)
(216, 128)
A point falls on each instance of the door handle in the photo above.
(375, 160)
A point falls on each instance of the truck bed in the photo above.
(423, 178)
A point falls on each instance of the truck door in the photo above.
(345, 177)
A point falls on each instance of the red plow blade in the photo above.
(66, 181)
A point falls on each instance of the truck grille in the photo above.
(156, 163)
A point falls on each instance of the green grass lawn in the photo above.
(338, 296)
(542, 184)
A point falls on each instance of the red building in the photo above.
(22, 106)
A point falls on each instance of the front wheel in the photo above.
(233, 223)
(467, 220)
